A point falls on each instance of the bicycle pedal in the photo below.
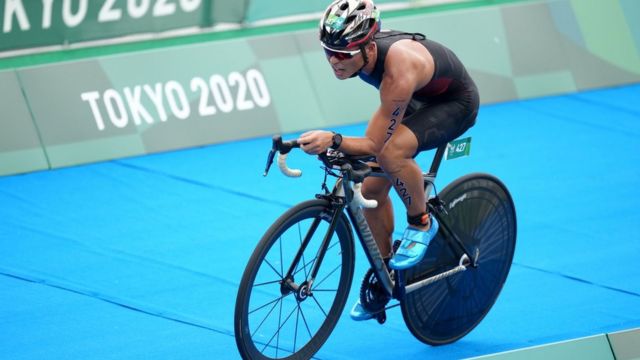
(381, 317)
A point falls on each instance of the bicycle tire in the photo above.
(253, 334)
(480, 210)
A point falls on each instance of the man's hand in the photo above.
(315, 141)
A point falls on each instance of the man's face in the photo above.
(344, 64)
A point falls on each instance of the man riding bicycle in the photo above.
(427, 99)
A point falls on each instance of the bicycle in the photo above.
(297, 280)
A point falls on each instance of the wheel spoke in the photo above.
(275, 303)
(326, 277)
(265, 305)
(280, 325)
(267, 283)
(295, 332)
(304, 319)
(278, 321)
(274, 269)
(310, 263)
(320, 306)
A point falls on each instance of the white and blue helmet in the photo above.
(349, 24)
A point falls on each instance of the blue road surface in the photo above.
(142, 257)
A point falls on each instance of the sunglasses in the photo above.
(340, 54)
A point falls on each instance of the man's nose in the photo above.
(333, 60)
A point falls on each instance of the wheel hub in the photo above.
(303, 292)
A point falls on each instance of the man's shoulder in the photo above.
(405, 53)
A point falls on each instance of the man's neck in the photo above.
(373, 56)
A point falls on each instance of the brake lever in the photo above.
(276, 142)
(279, 146)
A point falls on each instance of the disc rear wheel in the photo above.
(479, 209)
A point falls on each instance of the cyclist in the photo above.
(427, 99)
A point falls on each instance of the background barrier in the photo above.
(621, 345)
(30, 24)
(20, 147)
(27, 24)
(131, 104)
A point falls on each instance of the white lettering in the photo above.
(197, 84)
(73, 20)
(138, 111)
(238, 91)
(181, 107)
(190, 5)
(221, 93)
(108, 13)
(47, 13)
(258, 88)
(92, 97)
(456, 201)
(120, 118)
(162, 8)
(16, 7)
(156, 97)
(242, 103)
(137, 11)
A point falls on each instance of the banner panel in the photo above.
(505, 58)
(169, 99)
(266, 9)
(20, 148)
(193, 95)
(27, 23)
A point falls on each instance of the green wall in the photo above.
(621, 345)
(108, 107)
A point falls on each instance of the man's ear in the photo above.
(371, 46)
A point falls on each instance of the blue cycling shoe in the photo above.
(413, 247)
(358, 313)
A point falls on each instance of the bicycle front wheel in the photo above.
(480, 211)
(272, 319)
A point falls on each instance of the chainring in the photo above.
(372, 295)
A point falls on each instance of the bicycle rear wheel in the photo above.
(272, 321)
(480, 210)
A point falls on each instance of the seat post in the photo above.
(437, 159)
(430, 177)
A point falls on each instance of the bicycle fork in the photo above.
(303, 290)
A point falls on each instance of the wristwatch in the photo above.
(337, 141)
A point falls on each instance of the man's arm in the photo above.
(401, 78)
(405, 72)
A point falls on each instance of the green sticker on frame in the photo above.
(458, 148)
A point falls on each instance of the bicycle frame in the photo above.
(343, 190)
(397, 289)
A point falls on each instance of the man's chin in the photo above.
(341, 75)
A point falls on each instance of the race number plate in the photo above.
(458, 148)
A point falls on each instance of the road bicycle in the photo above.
(298, 278)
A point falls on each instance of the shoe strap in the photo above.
(421, 237)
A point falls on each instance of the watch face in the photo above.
(337, 140)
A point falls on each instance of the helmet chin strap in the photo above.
(365, 58)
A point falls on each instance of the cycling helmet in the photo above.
(349, 24)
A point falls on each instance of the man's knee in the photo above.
(391, 157)
(401, 146)
(378, 190)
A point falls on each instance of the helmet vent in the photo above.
(362, 6)
(344, 6)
